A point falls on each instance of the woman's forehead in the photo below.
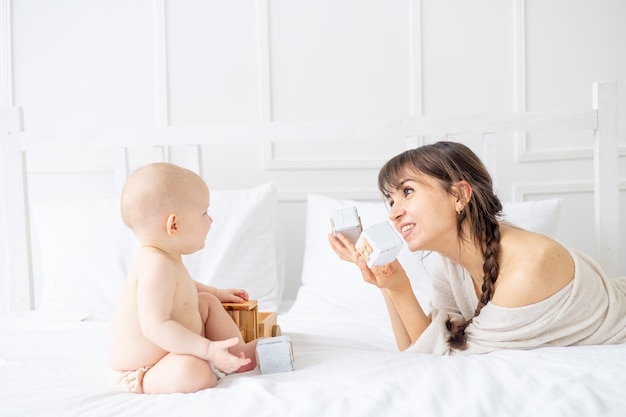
(406, 175)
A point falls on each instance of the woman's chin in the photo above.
(413, 247)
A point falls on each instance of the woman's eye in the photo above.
(407, 191)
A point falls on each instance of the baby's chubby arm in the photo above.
(228, 295)
(156, 287)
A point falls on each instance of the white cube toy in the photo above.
(274, 354)
(347, 222)
(379, 244)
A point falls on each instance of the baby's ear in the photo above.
(171, 225)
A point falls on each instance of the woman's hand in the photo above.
(343, 248)
(391, 276)
(408, 320)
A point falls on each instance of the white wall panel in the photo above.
(83, 63)
(139, 63)
(342, 60)
(468, 56)
(212, 61)
(571, 44)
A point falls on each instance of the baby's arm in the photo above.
(156, 287)
(230, 295)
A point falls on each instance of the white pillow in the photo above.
(330, 283)
(339, 283)
(540, 216)
(244, 246)
(81, 252)
(84, 251)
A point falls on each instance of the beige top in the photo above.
(590, 310)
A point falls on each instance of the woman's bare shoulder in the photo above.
(532, 268)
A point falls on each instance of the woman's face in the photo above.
(424, 213)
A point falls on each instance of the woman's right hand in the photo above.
(391, 276)
(343, 248)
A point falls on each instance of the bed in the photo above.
(60, 294)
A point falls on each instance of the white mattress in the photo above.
(344, 367)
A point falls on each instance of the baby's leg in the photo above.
(218, 325)
(179, 373)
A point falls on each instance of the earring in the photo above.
(458, 211)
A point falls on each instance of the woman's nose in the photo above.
(396, 211)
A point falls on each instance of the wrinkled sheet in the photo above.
(345, 366)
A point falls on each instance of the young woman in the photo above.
(496, 286)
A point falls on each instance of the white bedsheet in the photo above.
(344, 367)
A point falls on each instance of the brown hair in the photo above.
(449, 163)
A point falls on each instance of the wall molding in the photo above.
(264, 62)
(522, 191)
(416, 58)
(364, 194)
(519, 71)
(519, 55)
(525, 155)
(161, 99)
(270, 162)
(6, 55)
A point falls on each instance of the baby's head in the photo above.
(155, 191)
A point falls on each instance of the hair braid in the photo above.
(491, 270)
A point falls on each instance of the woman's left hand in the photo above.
(391, 276)
(386, 276)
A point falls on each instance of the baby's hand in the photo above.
(222, 359)
(232, 295)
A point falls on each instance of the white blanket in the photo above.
(346, 366)
(590, 310)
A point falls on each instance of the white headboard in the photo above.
(123, 150)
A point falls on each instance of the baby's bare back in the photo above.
(130, 349)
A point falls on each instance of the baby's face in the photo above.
(197, 219)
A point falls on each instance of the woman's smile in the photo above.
(406, 229)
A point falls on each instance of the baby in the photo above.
(169, 332)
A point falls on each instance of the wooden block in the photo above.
(267, 325)
(379, 244)
(275, 355)
(245, 306)
(347, 222)
(252, 323)
(245, 315)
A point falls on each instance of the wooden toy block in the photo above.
(379, 244)
(347, 222)
(275, 355)
(252, 323)
(267, 326)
